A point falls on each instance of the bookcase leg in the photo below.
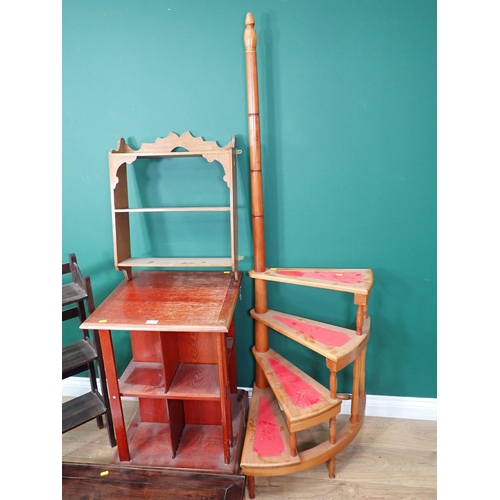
(114, 395)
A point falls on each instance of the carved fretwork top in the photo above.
(169, 147)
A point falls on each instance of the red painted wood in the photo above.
(300, 392)
(267, 441)
(327, 336)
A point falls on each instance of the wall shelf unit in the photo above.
(171, 146)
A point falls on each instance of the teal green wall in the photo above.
(348, 116)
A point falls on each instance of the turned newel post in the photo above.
(250, 39)
(261, 334)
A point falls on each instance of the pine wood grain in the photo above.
(309, 279)
(390, 459)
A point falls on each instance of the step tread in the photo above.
(77, 354)
(304, 401)
(82, 409)
(280, 449)
(72, 293)
(358, 281)
(332, 342)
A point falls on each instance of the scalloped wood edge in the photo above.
(165, 147)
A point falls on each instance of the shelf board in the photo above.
(195, 381)
(200, 448)
(72, 293)
(82, 409)
(171, 154)
(173, 209)
(191, 381)
(176, 262)
(77, 354)
(141, 379)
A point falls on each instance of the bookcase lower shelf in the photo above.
(199, 448)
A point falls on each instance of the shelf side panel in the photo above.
(121, 221)
(169, 356)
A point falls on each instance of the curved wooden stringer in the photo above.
(285, 400)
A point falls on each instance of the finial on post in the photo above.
(250, 35)
(249, 20)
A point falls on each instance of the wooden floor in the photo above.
(391, 458)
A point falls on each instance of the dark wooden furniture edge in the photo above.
(93, 481)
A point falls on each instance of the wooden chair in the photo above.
(82, 356)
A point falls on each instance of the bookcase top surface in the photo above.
(190, 301)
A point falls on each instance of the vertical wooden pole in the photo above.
(261, 332)
(250, 38)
